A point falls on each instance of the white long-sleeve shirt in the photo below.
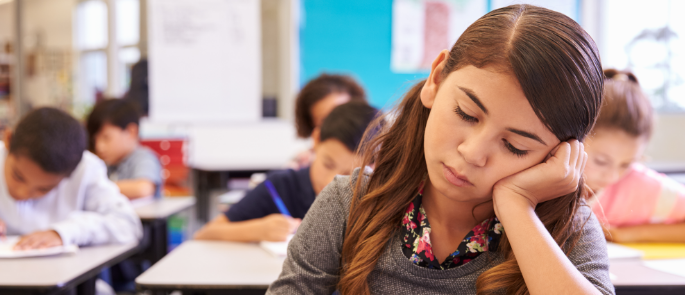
(86, 208)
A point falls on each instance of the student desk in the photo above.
(244, 268)
(154, 215)
(633, 278)
(213, 267)
(62, 273)
(217, 153)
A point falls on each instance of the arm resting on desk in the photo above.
(136, 188)
(648, 233)
(274, 227)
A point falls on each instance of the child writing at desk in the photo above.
(262, 215)
(637, 204)
(53, 192)
(113, 133)
(477, 182)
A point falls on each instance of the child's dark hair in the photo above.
(315, 90)
(117, 112)
(51, 138)
(348, 122)
(138, 93)
(626, 107)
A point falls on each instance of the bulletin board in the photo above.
(358, 37)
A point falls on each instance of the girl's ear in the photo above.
(430, 88)
(7, 137)
(316, 136)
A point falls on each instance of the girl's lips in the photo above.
(455, 178)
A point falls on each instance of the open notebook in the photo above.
(278, 249)
(8, 243)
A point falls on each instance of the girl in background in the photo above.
(477, 183)
(313, 104)
(635, 203)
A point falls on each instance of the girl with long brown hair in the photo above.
(477, 182)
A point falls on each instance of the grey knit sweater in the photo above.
(314, 256)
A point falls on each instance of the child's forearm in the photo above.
(224, 230)
(654, 233)
(136, 188)
(545, 267)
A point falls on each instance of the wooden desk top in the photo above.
(57, 271)
(164, 207)
(213, 265)
(631, 272)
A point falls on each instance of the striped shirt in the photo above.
(642, 196)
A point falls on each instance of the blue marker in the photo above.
(277, 199)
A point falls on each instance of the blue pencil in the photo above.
(277, 199)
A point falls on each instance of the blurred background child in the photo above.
(53, 192)
(256, 217)
(113, 136)
(315, 101)
(637, 204)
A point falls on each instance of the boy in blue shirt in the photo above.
(257, 218)
(113, 132)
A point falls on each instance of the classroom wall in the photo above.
(6, 22)
(667, 149)
(48, 42)
(352, 37)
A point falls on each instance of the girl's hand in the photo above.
(558, 175)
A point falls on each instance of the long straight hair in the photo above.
(558, 67)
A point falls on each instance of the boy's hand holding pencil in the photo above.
(277, 227)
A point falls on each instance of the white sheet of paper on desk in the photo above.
(672, 266)
(278, 249)
(8, 243)
(617, 251)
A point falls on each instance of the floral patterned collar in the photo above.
(417, 245)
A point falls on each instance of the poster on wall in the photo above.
(204, 60)
(422, 28)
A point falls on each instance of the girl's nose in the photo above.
(475, 149)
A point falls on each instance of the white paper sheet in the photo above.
(278, 249)
(672, 266)
(617, 251)
(8, 243)
(205, 61)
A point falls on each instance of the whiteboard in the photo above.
(204, 60)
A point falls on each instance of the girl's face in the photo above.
(610, 154)
(481, 129)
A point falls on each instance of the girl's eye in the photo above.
(464, 116)
(513, 150)
(600, 162)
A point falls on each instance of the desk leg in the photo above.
(201, 179)
(87, 287)
(160, 240)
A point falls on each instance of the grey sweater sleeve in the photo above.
(314, 254)
(590, 253)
